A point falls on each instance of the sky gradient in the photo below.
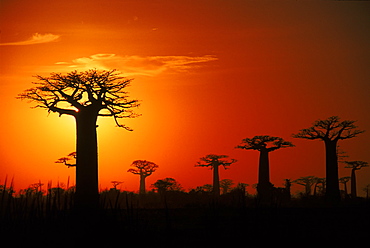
(208, 74)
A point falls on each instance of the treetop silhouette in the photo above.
(143, 168)
(330, 131)
(77, 92)
(214, 161)
(64, 160)
(85, 96)
(354, 166)
(264, 142)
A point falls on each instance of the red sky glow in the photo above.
(209, 73)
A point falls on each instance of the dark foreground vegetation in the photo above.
(179, 219)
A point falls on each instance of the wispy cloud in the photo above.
(137, 65)
(35, 39)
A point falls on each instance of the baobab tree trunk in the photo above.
(142, 184)
(353, 184)
(264, 186)
(87, 194)
(264, 170)
(216, 181)
(332, 178)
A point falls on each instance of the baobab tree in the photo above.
(330, 131)
(115, 184)
(354, 166)
(144, 169)
(344, 181)
(225, 185)
(307, 182)
(264, 144)
(64, 160)
(85, 96)
(214, 161)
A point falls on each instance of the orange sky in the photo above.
(209, 73)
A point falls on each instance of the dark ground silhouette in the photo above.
(184, 220)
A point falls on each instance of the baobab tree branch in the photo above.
(331, 129)
(71, 93)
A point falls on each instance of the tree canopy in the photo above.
(330, 129)
(143, 167)
(264, 142)
(356, 165)
(70, 94)
(215, 160)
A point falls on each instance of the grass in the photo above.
(45, 218)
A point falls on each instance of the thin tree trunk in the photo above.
(142, 184)
(353, 184)
(87, 193)
(345, 189)
(216, 181)
(332, 179)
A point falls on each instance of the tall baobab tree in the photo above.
(214, 161)
(144, 169)
(264, 144)
(330, 131)
(354, 166)
(85, 96)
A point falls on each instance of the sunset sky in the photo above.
(208, 73)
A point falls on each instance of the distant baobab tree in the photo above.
(225, 185)
(85, 96)
(115, 184)
(330, 131)
(64, 160)
(354, 166)
(144, 169)
(307, 182)
(264, 144)
(214, 161)
(344, 181)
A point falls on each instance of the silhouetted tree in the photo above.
(214, 161)
(264, 144)
(85, 96)
(144, 169)
(307, 182)
(354, 166)
(225, 185)
(63, 160)
(167, 184)
(115, 184)
(344, 181)
(330, 131)
(319, 183)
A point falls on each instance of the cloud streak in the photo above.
(35, 39)
(137, 65)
